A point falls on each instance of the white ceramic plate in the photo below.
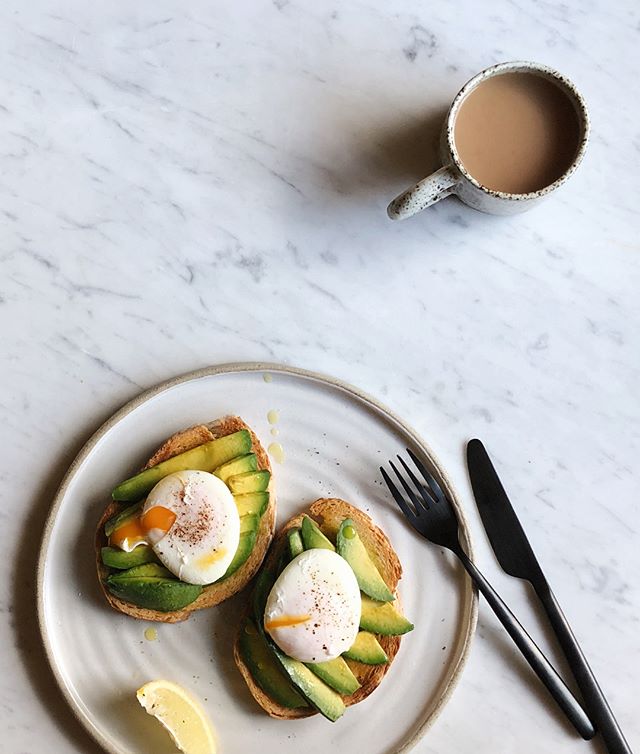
(334, 438)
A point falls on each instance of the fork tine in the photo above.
(429, 478)
(402, 503)
(426, 494)
(417, 503)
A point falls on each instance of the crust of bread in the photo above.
(214, 593)
(329, 514)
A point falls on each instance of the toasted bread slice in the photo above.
(220, 591)
(329, 514)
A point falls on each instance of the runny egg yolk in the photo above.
(127, 536)
(148, 528)
(156, 522)
(286, 621)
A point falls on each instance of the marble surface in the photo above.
(184, 184)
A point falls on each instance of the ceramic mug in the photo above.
(453, 178)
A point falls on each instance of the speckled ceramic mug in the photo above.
(453, 178)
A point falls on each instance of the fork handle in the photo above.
(595, 701)
(532, 653)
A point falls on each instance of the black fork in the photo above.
(429, 511)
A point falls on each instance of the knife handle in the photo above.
(595, 701)
(532, 653)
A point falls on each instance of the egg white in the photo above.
(319, 584)
(203, 539)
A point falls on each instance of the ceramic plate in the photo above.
(333, 438)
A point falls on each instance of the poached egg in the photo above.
(191, 521)
(313, 610)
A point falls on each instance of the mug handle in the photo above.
(425, 193)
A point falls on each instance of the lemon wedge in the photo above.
(181, 714)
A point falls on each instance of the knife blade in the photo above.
(507, 537)
(514, 553)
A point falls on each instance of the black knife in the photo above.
(514, 553)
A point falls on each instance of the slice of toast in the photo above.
(329, 514)
(220, 591)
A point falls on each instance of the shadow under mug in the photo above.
(454, 178)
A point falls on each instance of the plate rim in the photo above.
(470, 601)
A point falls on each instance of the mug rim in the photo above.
(524, 66)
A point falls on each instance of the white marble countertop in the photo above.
(193, 183)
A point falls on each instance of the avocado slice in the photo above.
(294, 543)
(327, 701)
(312, 537)
(164, 595)
(114, 557)
(249, 525)
(366, 649)
(349, 545)
(245, 546)
(265, 669)
(250, 481)
(264, 583)
(335, 673)
(285, 557)
(204, 457)
(145, 570)
(252, 502)
(242, 465)
(383, 618)
(123, 517)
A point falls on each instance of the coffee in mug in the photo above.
(517, 133)
(514, 134)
